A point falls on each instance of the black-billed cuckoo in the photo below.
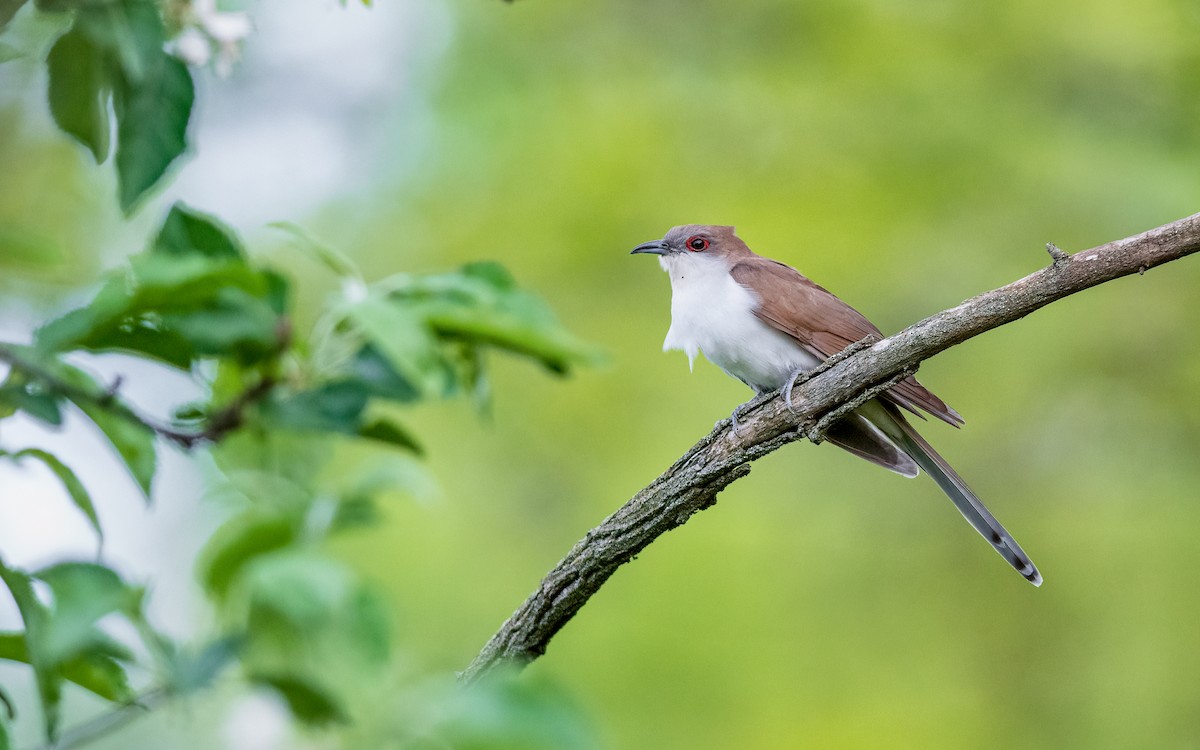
(764, 323)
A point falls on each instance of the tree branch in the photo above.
(724, 455)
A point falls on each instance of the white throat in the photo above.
(713, 314)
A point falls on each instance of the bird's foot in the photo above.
(741, 410)
(801, 376)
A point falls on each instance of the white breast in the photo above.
(713, 314)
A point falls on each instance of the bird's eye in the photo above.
(696, 244)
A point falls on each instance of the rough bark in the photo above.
(724, 455)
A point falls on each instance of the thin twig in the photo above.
(723, 456)
(216, 426)
(109, 721)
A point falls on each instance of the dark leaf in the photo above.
(79, 494)
(277, 292)
(389, 432)
(373, 369)
(333, 407)
(241, 539)
(101, 674)
(144, 338)
(234, 324)
(187, 231)
(10, 711)
(152, 118)
(98, 319)
(405, 342)
(309, 702)
(43, 406)
(79, 90)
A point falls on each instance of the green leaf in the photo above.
(133, 441)
(139, 337)
(79, 494)
(332, 407)
(98, 318)
(178, 308)
(83, 593)
(482, 305)
(404, 341)
(240, 540)
(374, 370)
(187, 231)
(308, 701)
(95, 671)
(387, 431)
(234, 324)
(100, 674)
(79, 91)
(43, 406)
(36, 618)
(300, 592)
(152, 118)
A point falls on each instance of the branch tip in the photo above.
(1057, 254)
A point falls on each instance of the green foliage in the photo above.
(113, 52)
(61, 640)
(278, 405)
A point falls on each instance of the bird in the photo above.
(764, 323)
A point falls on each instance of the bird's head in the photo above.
(694, 243)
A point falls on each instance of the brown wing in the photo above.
(823, 324)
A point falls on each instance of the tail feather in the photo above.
(964, 499)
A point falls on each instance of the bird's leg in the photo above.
(801, 375)
(740, 410)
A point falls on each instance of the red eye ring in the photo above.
(697, 244)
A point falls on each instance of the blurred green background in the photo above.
(904, 155)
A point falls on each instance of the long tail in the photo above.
(964, 499)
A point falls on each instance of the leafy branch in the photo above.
(196, 302)
(691, 484)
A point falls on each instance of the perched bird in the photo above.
(764, 323)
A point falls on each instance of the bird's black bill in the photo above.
(658, 247)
